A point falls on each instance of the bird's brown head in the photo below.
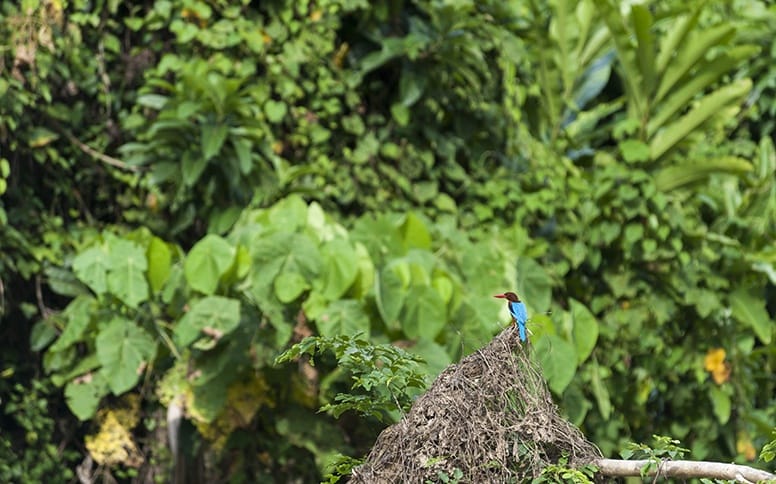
(509, 296)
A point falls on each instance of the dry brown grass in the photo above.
(491, 416)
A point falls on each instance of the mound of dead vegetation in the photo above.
(489, 418)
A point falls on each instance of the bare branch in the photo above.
(109, 160)
(684, 469)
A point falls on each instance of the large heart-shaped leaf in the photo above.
(584, 331)
(207, 261)
(83, 395)
(424, 314)
(340, 266)
(123, 349)
(343, 317)
(751, 311)
(126, 277)
(91, 267)
(215, 312)
(558, 359)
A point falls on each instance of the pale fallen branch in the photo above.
(108, 160)
(684, 469)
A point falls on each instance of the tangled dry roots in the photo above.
(491, 416)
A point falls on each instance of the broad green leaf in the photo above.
(626, 54)
(40, 137)
(175, 285)
(592, 82)
(41, 334)
(159, 263)
(411, 86)
(707, 107)
(585, 329)
(91, 268)
(475, 324)
(275, 253)
(365, 278)
(209, 400)
(207, 261)
(533, 285)
(400, 114)
(63, 281)
(698, 45)
(541, 324)
(425, 314)
(720, 403)
(213, 137)
(343, 317)
(289, 285)
(634, 150)
(340, 267)
(558, 359)
(124, 350)
(670, 43)
(81, 366)
(645, 45)
(243, 147)
(600, 392)
(444, 286)
(293, 252)
(191, 168)
(222, 219)
(687, 173)
(126, 277)
(390, 293)
(575, 405)
(434, 354)
(751, 311)
(314, 305)
(77, 316)
(83, 395)
(153, 101)
(391, 48)
(275, 110)
(705, 75)
(214, 312)
(289, 213)
(415, 232)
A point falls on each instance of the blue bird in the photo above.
(517, 311)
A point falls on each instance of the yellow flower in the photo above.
(715, 363)
(744, 446)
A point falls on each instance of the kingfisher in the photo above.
(517, 311)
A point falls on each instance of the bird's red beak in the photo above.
(501, 296)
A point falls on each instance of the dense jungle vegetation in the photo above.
(189, 187)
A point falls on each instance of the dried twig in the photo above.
(109, 160)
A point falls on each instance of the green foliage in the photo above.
(447, 478)
(34, 456)
(769, 450)
(341, 468)
(561, 473)
(385, 378)
(664, 448)
(144, 311)
(613, 164)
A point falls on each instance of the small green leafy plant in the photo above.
(383, 376)
(561, 472)
(769, 449)
(665, 448)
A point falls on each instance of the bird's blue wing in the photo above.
(520, 314)
(518, 311)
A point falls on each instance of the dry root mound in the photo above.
(491, 416)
